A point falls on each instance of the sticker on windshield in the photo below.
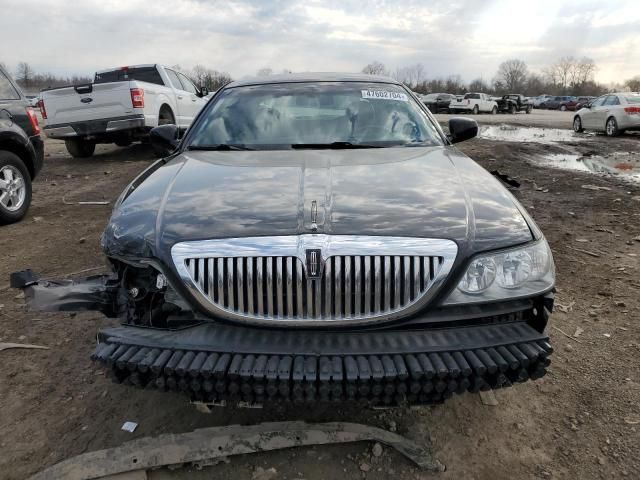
(385, 95)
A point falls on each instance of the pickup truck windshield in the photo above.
(314, 115)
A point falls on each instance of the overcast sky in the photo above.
(465, 37)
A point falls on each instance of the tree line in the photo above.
(567, 76)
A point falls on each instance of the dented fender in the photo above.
(95, 293)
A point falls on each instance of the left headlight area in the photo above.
(506, 274)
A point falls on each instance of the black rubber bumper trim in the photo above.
(476, 359)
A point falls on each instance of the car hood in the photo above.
(428, 192)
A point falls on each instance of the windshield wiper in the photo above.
(219, 147)
(333, 145)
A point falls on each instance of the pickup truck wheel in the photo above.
(494, 110)
(529, 108)
(512, 109)
(79, 148)
(476, 110)
(15, 188)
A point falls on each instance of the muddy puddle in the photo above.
(512, 133)
(622, 164)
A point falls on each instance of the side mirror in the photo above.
(164, 139)
(204, 91)
(461, 129)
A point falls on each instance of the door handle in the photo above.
(194, 99)
(179, 97)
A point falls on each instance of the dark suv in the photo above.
(21, 150)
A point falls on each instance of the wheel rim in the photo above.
(13, 189)
(611, 128)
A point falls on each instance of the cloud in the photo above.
(464, 37)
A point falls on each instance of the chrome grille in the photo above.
(350, 287)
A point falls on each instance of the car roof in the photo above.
(313, 77)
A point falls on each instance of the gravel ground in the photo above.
(580, 421)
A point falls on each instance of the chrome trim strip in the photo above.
(335, 246)
(115, 125)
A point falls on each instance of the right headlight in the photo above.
(506, 274)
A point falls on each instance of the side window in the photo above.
(187, 85)
(598, 102)
(173, 78)
(612, 100)
(7, 92)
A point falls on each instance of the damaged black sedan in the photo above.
(317, 238)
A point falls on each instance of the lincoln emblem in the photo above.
(314, 263)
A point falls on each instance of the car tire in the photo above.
(476, 110)
(80, 148)
(529, 108)
(512, 109)
(12, 165)
(494, 110)
(611, 127)
(577, 124)
(563, 108)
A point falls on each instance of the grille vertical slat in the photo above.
(230, 283)
(349, 286)
(269, 275)
(289, 286)
(328, 282)
(387, 283)
(367, 285)
(260, 287)
(348, 281)
(406, 285)
(338, 284)
(279, 289)
(357, 310)
(377, 289)
(299, 299)
(250, 286)
(417, 272)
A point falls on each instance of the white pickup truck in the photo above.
(473, 102)
(120, 106)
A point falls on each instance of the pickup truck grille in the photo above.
(264, 280)
(349, 287)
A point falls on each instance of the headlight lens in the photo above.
(506, 274)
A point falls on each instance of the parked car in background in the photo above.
(571, 104)
(474, 103)
(402, 273)
(537, 101)
(612, 114)
(21, 150)
(438, 102)
(513, 103)
(121, 106)
(555, 103)
(580, 102)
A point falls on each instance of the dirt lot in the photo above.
(581, 421)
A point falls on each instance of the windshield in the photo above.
(290, 115)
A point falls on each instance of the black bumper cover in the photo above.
(222, 363)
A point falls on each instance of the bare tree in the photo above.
(24, 74)
(479, 85)
(375, 68)
(633, 83)
(264, 72)
(512, 74)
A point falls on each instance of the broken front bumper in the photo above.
(222, 363)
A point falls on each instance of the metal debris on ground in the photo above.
(218, 442)
(129, 426)
(595, 187)
(7, 346)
